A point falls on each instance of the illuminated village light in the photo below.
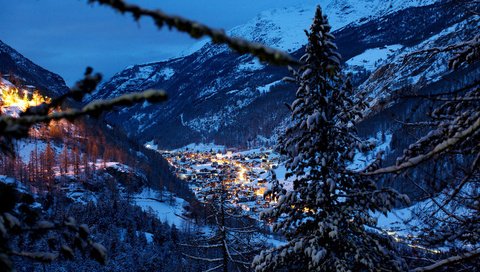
(11, 97)
(260, 191)
(238, 173)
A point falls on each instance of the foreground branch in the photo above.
(18, 127)
(440, 148)
(197, 30)
(449, 261)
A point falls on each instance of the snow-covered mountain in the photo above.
(219, 96)
(19, 76)
(282, 28)
(408, 68)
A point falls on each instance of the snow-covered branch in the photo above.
(197, 30)
(214, 268)
(438, 149)
(18, 127)
(449, 261)
(473, 169)
(203, 258)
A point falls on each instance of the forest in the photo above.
(77, 183)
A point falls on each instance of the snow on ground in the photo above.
(282, 28)
(7, 180)
(166, 73)
(119, 167)
(253, 65)
(149, 200)
(403, 73)
(249, 152)
(202, 147)
(434, 72)
(280, 172)
(148, 236)
(371, 58)
(199, 167)
(151, 145)
(406, 223)
(4, 82)
(13, 182)
(209, 122)
(145, 71)
(207, 92)
(25, 147)
(266, 88)
(361, 160)
(20, 187)
(77, 193)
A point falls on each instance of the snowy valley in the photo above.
(215, 160)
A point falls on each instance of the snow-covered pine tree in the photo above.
(325, 216)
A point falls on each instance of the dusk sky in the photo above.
(65, 36)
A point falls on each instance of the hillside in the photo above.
(12, 62)
(83, 170)
(218, 96)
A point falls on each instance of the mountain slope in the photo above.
(282, 28)
(12, 62)
(219, 96)
(89, 137)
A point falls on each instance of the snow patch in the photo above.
(206, 92)
(371, 58)
(250, 66)
(202, 147)
(151, 145)
(7, 180)
(282, 28)
(145, 71)
(166, 73)
(210, 122)
(363, 159)
(6, 83)
(25, 148)
(266, 88)
(166, 210)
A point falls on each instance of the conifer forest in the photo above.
(275, 135)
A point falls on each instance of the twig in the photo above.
(197, 30)
(440, 148)
(449, 261)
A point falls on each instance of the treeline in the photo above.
(413, 106)
(59, 148)
(135, 240)
(78, 149)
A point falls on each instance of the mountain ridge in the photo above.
(12, 62)
(222, 97)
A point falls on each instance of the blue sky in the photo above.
(65, 36)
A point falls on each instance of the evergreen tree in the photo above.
(324, 218)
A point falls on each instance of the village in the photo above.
(241, 176)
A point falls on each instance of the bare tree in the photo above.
(453, 216)
(234, 238)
